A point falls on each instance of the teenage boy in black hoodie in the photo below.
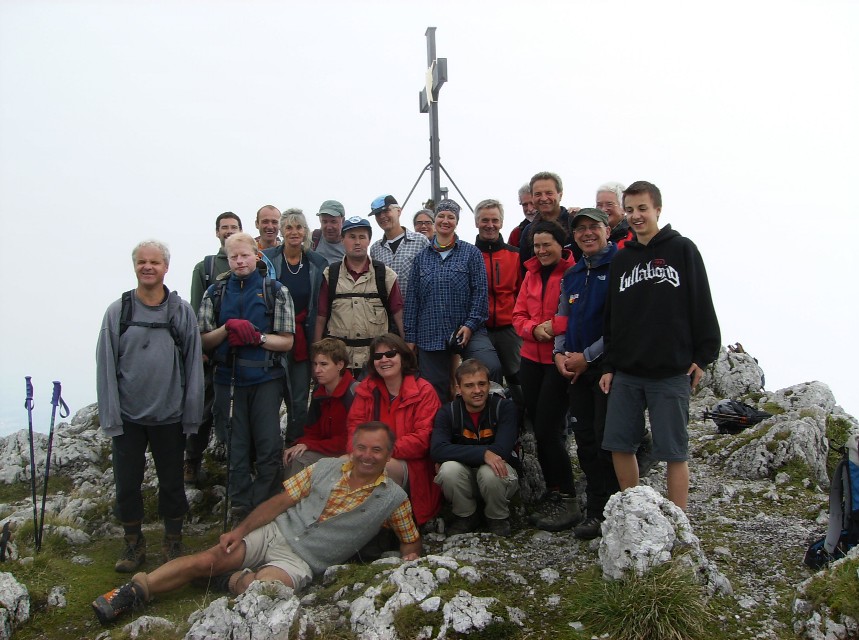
(660, 332)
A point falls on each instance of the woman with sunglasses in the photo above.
(394, 394)
(536, 321)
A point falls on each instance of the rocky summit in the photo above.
(757, 498)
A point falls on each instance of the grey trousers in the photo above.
(460, 485)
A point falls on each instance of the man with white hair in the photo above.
(149, 383)
(610, 199)
(526, 201)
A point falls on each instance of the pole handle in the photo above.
(28, 402)
(57, 400)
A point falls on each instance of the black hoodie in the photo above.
(659, 316)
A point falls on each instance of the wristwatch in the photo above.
(262, 338)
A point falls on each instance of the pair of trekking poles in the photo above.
(58, 403)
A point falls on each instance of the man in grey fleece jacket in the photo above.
(149, 372)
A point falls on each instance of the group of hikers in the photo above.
(408, 368)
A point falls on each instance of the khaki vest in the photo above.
(357, 319)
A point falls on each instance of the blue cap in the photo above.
(381, 203)
(355, 222)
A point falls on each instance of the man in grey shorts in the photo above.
(258, 549)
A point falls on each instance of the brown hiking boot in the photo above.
(191, 471)
(172, 548)
(133, 556)
(565, 514)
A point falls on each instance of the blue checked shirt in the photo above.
(444, 295)
(401, 261)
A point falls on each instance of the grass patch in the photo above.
(663, 604)
(837, 431)
(773, 408)
(18, 491)
(837, 588)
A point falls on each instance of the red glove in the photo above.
(241, 333)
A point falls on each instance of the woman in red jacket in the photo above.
(536, 321)
(325, 434)
(394, 394)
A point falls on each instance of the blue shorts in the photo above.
(667, 402)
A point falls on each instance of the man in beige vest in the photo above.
(366, 300)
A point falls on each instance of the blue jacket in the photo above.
(454, 438)
(244, 298)
(584, 290)
(444, 295)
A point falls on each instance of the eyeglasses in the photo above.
(423, 223)
(386, 354)
(582, 228)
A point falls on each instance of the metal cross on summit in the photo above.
(436, 76)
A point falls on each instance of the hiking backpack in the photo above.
(126, 319)
(381, 292)
(842, 533)
(732, 416)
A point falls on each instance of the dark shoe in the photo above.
(118, 601)
(589, 529)
(564, 515)
(191, 471)
(544, 504)
(172, 548)
(463, 525)
(133, 556)
(499, 527)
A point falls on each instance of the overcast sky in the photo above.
(121, 121)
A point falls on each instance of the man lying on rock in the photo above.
(324, 516)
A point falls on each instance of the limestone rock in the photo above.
(148, 627)
(803, 396)
(466, 613)
(822, 624)
(14, 600)
(57, 597)
(267, 610)
(733, 375)
(643, 529)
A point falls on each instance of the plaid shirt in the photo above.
(401, 261)
(283, 319)
(445, 295)
(343, 499)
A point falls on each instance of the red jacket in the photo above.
(534, 307)
(504, 278)
(327, 433)
(411, 417)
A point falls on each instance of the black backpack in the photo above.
(126, 319)
(379, 270)
(732, 416)
(842, 534)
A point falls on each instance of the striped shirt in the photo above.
(343, 499)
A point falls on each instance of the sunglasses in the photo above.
(385, 354)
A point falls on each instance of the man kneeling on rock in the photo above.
(324, 516)
(473, 441)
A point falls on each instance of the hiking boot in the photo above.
(589, 529)
(544, 504)
(500, 527)
(172, 548)
(133, 556)
(191, 471)
(463, 525)
(118, 601)
(565, 514)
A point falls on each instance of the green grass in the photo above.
(837, 589)
(663, 604)
(837, 430)
(18, 491)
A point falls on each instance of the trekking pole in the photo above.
(28, 405)
(229, 442)
(56, 401)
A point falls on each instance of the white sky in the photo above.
(121, 121)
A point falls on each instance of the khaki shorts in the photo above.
(266, 547)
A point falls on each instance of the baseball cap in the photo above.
(354, 222)
(594, 214)
(381, 203)
(332, 208)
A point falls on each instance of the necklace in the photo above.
(289, 267)
(442, 247)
